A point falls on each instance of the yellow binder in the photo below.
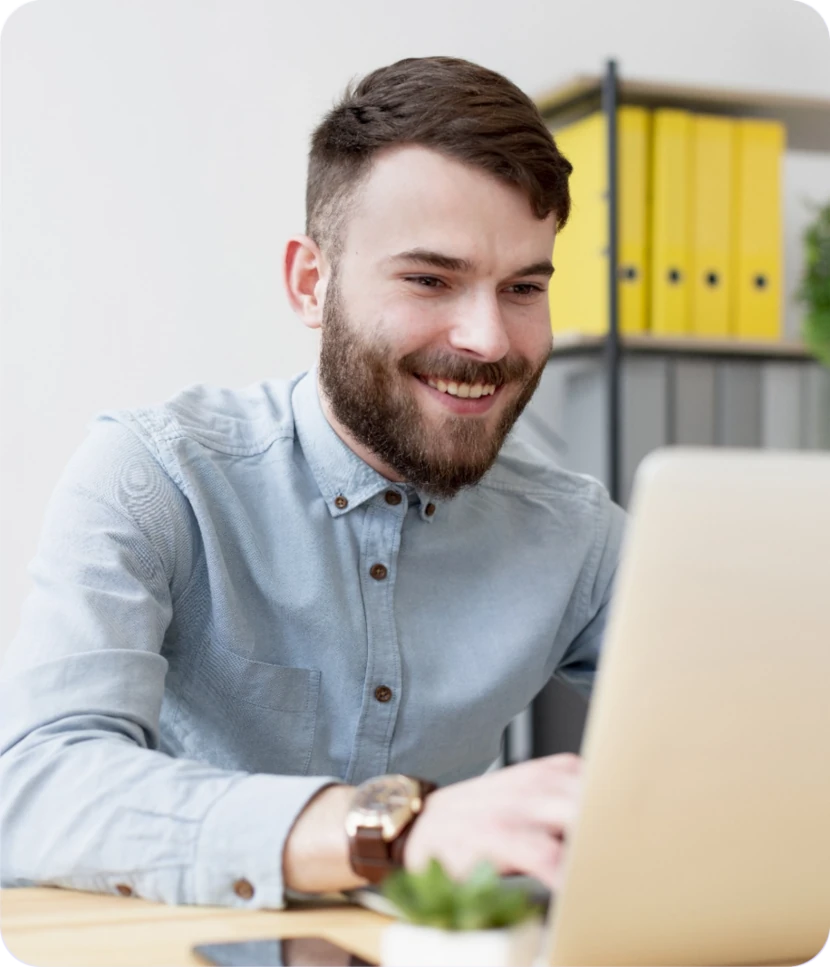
(633, 130)
(713, 160)
(670, 222)
(579, 289)
(757, 256)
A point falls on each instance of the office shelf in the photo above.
(572, 344)
(807, 120)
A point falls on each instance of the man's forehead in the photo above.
(415, 199)
(417, 183)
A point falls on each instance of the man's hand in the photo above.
(515, 817)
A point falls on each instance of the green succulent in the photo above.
(814, 291)
(482, 902)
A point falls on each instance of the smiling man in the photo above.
(277, 634)
(431, 350)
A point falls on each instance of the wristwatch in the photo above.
(379, 821)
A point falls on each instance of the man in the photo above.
(248, 603)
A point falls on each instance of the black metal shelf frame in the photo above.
(606, 96)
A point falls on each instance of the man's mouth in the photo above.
(463, 390)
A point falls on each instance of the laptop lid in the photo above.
(704, 832)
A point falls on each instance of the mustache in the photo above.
(457, 369)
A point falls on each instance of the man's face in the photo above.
(435, 323)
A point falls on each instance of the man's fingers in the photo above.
(553, 814)
(562, 762)
(533, 854)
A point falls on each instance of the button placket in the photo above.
(380, 544)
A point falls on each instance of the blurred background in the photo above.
(153, 165)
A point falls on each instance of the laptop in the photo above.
(704, 829)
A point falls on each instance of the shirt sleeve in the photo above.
(89, 801)
(578, 664)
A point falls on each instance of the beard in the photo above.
(371, 395)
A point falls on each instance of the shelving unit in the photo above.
(574, 344)
(605, 401)
(808, 129)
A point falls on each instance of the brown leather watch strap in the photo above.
(371, 856)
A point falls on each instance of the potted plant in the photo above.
(814, 291)
(478, 922)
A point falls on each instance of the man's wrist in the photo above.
(316, 854)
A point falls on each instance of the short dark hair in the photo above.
(458, 108)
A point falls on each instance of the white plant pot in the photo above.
(407, 945)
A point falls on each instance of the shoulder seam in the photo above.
(588, 493)
(170, 430)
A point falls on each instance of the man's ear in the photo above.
(305, 273)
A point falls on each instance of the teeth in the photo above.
(463, 390)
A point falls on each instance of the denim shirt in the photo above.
(232, 610)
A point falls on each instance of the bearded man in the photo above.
(277, 634)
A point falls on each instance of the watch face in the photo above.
(387, 802)
(385, 793)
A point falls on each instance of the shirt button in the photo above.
(429, 510)
(244, 889)
(124, 890)
(340, 502)
(383, 693)
(378, 572)
(393, 497)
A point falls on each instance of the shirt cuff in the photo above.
(239, 851)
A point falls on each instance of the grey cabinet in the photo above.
(735, 396)
(678, 398)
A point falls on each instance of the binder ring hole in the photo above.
(760, 281)
(674, 276)
(712, 279)
(628, 273)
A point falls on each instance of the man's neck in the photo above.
(365, 454)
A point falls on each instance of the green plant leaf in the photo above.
(481, 902)
(814, 289)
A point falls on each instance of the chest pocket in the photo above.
(236, 713)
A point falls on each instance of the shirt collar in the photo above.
(345, 480)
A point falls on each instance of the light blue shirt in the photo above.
(232, 610)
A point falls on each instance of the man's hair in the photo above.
(452, 106)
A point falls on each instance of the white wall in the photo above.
(153, 164)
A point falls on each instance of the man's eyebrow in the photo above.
(545, 267)
(452, 263)
(449, 263)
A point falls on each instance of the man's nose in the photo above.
(478, 328)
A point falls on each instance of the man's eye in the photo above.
(526, 288)
(428, 281)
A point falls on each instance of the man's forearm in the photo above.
(316, 854)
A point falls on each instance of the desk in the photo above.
(50, 927)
